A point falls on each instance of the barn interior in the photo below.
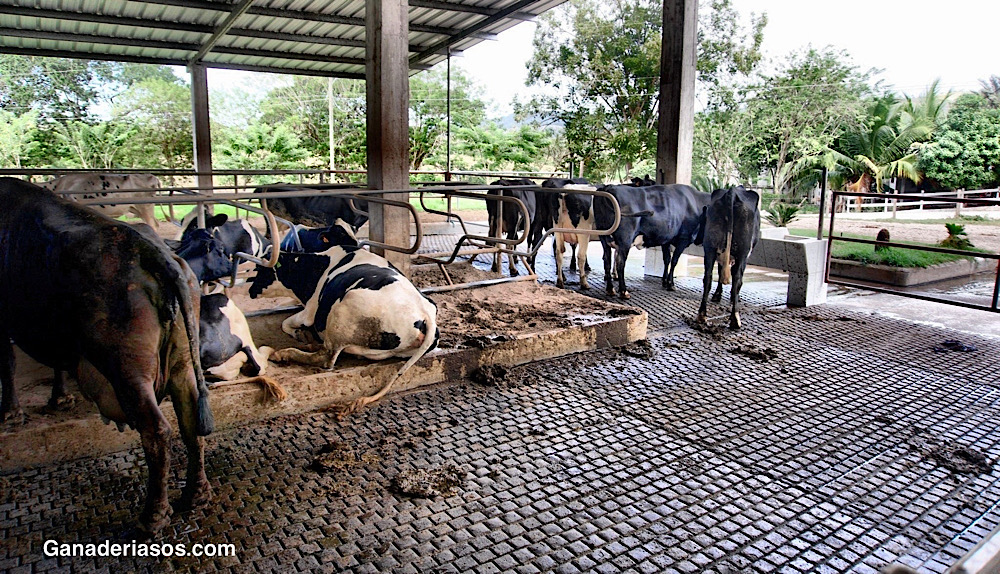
(750, 474)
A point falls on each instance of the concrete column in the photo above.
(388, 101)
(678, 57)
(202, 129)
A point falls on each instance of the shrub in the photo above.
(782, 214)
(957, 238)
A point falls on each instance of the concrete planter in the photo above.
(909, 276)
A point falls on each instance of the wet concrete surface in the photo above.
(827, 439)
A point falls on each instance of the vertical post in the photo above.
(678, 56)
(958, 204)
(329, 111)
(202, 134)
(387, 95)
(447, 169)
(822, 203)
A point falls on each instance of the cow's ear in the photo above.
(216, 220)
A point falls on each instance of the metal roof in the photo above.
(307, 37)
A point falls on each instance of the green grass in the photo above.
(893, 256)
(457, 203)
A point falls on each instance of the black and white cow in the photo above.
(667, 216)
(732, 229)
(512, 217)
(98, 185)
(355, 301)
(226, 342)
(315, 239)
(86, 294)
(317, 211)
(644, 181)
(204, 254)
(237, 236)
(571, 211)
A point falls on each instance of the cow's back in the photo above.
(67, 274)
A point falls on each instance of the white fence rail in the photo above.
(937, 200)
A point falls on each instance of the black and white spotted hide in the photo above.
(227, 348)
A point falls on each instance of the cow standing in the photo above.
(355, 301)
(732, 229)
(98, 186)
(571, 211)
(667, 216)
(86, 294)
(512, 219)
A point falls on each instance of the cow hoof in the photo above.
(716, 297)
(513, 273)
(15, 416)
(584, 287)
(702, 319)
(625, 295)
(609, 290)
(560, 285)
(734, 323)
(150, 525)
(63, 403)
(196, 496)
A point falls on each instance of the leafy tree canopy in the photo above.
(966, 152)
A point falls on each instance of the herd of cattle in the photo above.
(127, 313)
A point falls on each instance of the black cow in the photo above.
(667, 216)
(355, 301)
(83, 293)
(732, 229)
(644, 181)
(512, 218)
(318, 211)
(204, 254)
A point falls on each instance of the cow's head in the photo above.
(205, 255)
(338, 234)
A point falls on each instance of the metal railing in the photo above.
(993, 307)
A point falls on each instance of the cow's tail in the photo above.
(725, 258)
(205, 423)
(203, 411)
(430, 338)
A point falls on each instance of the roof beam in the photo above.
(471, 30)
(466, 8)
(300, 15)
(177, 62)
(104, 19)
(221, 30)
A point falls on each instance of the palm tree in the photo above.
(881, 146)
(931, 107)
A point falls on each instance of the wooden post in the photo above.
(202, 133)
(387, 91)
(958, 205)
(678, 56)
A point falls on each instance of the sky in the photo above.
(913, 42)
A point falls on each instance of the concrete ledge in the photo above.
(803, 258)
(909, 276)
(234, 403)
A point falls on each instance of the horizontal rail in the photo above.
(995, 303)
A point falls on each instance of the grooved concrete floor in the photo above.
(809, 458)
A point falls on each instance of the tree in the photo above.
(493, 148)
(94, 146)
(966, 152)
(798, 110)
(991, 91)
(429, 111)
(605, 63)
(17, 134)
(261, 147)
(881, 145)
(162, 107)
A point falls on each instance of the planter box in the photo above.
(909, 276)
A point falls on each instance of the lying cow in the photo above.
(226, 343)
(667, 216)
(355, 301)
(512, 219)
(315, 239)
(732, 229)
(87, 294)
(644, 181)
(99, 184)
(237, 236)
(570, 211)
(316, 211)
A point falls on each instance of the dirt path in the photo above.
(982, 236)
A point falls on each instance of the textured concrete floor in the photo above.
(812, 441)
